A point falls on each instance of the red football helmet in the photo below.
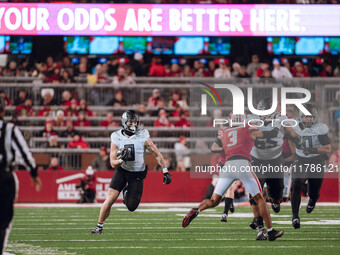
(238, 119)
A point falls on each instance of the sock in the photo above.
(198, 210)
(100, 225)
(227, 203)
(269, 229)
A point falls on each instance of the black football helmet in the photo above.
(130, 115)
(266, 104)
(309, 122)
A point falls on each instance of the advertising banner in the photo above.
(169, 20)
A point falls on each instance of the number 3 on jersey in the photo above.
(232, 138)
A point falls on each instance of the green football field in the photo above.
(158, 230)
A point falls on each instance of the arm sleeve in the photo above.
(324, 139)
(22, 153)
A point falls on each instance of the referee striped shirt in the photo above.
(14, 149)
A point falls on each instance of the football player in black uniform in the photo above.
(309, 161)
(267, 153)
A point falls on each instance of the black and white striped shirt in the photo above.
(14, 149)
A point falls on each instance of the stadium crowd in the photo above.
(123, 70)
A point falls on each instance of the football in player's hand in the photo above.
(122, 153)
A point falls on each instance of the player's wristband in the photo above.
(34, 172)
(165, 170)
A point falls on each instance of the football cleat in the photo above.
(253, 224)
(232, 208)
(296, 223)
(276, 207)
(97, 230)
(310, 206)
(274, 234)
(189, 217)
(262, 235)
(224, 217)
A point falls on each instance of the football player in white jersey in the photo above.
(267, 153)
(128, 157)
(309, 161)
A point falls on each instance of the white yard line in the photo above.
(204, 247)
(74, 205)
(179, 227)
(15, 247)
(178, 239)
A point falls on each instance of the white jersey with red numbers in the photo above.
(237, 141)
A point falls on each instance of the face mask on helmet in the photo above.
(266, 104)
(130, 122)
(309, 120)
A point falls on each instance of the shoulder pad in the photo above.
(115, 136)
(321, 128)
(143, 133)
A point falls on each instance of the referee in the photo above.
(13, 147)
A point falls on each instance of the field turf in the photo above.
(158, 230)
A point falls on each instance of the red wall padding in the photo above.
(60, 187)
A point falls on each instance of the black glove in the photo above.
(297, 142)
(271, 134)
(308, 151)
(124, 154)
(166, 178)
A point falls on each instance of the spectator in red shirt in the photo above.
(109, 122)
(72, 110)
(25, 109)
(54, 165)
(78, 143)
(67, 98)
(59, 120)
(48, 131)
(183, 122)
(122, 77)
(211, 69)
(83, 107)
(45, 111)
(263, 67)
(154, 99)
(82, 121)
(52, 74)
(156, 68)
(176, 100)
(101, 72)
(8, 101)
(327, 71)
(178, 110)
(298, 70)
(11, 70)
(175, 70)
(162, 120)
(187, 72)
(47, 97)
